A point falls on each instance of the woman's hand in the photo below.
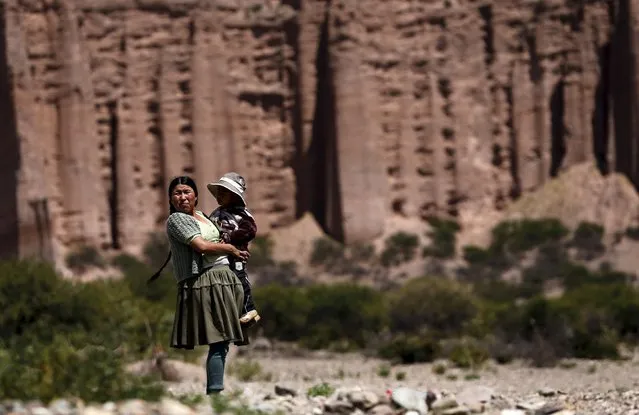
(243, 255)
(201, 245)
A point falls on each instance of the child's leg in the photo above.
(249, 313)
(249, 305)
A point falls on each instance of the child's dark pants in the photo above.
(246, 284)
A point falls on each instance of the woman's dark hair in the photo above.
(174, 183)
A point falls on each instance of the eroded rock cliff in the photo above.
(352, 110)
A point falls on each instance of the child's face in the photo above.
(224, 197)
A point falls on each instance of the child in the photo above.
(238, 228)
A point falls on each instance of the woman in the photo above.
(210, 296)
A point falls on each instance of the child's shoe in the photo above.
(251, 316)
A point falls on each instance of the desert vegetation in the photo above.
(49, 323)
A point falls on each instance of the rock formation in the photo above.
(351, 110)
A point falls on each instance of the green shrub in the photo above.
(483, 264)
(361, 252)
(496, 290)
(287, 308)
(439, 305)
(92, 373)
(37, 304)
(280, 273)
(322, 315)
(587, 238)
(608, 276)
(466, 353)
(261, 252)
(475, 255)
(586, 322)
(83, 258)
(412, 348)
(327, 253)
(514, 237)
(359, 310)
(136, 274)
(247, 371)
(502, 352)
(632, 233)
(322, 389)
(622, 304)
(443, 238)
(399, 248)
(384, 370)
(439, 368)
(232, 404)
(156, 249)
(598, 318)
(70, 333)
(509, 240)
(191, 400)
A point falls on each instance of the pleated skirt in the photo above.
(208, 310)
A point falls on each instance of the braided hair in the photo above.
(186, 180)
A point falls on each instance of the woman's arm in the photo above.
(205, 247)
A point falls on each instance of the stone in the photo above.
(547, 392)
(17, 407)
(261, 344)
(533, 405)
(549, 408)
(61, 407)
(133, 407)
(93, 410)
(460, 410)
(173, 407)
(204, 409)
(285, 391)
(363, 399)
(444, 403)
(475, 395)
(267, 407)
(338, 407)
(382, 409)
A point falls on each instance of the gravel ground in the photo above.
(587, 387)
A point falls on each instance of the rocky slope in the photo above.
(348, 110)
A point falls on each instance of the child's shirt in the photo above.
(236, 224)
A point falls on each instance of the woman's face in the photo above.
(183, 198)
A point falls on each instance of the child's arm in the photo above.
(245, 232)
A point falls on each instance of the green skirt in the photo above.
(208, 309)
